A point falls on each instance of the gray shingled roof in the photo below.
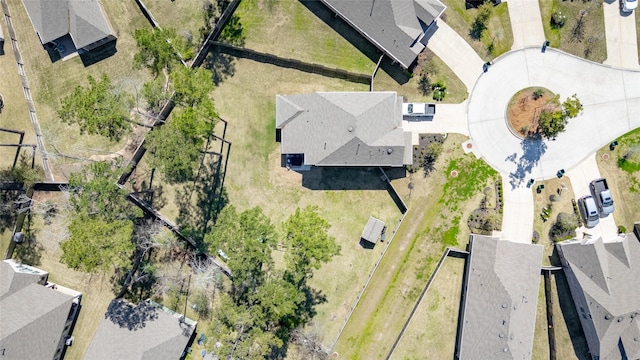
(145, 331)
(604, 279)
(32, 316)
(372, 230)
(84, 20)
(393, 26)
(501, 297)
(344, 128)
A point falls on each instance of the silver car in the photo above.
(589, 211)
(629, 5)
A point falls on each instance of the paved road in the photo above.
(580, 176)
(621, 38)
(526, 23)
(607, 94)
(456, 53)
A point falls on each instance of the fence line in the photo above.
(375, 71)
(292, 63)
(27, 92)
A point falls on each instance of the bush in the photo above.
(564, 227)
(439, 91)
(424, 85)
(622, 229)
(558, 19)
(537, 93)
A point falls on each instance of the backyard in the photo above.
(486, 28)
(582, 30)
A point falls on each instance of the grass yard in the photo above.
(582, 34)
(430, 63)
(307, 31)
(558, 201)
(187, 17)
(540, 349)
(50, 82)
(624, 181)
(431, 334)
(494, 41)
(438, 208)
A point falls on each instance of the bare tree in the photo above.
(308, 341)
(206, 274)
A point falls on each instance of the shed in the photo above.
(373, 231)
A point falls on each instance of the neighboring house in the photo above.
(36, 316)
(396, 27)
(604, 279)
(500, 292)
(343, 129)
(85, 22)
(146, 331)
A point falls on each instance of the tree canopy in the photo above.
(308, 243)
(98, 109)
(158, 49)
(192, 86)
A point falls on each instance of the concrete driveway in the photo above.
(611, 100)
(517, 218)
(580, 176)
(526, 23)
(449, 118)
(621, 38)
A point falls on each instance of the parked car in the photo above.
(602, 194)
(629, 5)
(418, 109)
(589, 211)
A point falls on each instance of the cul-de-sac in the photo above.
(319, 179)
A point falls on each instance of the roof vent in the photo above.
(350, 128)
(504, 305)
(389, 150)
(620, 319)
(636, 339)
(608, 317)
(505, 350)
(501, 335)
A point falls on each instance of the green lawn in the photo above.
(436, 206)
(187, 17)
(495, 40)
(295, 29)
(540, 349)
(50, 82)
(431, 334)
(588, 43)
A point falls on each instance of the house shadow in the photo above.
(571, 317)
(349, 178)
(98, 54)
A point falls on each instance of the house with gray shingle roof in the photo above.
(500, 292)
(36, 316)
(84, 21)
(604, 279)
(396, 27)
(343, 129)
(146, 331)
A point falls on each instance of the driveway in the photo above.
(526, 23)
(456, 53)
(611, 100)
(449, 118)
(517, 218)
(580, 176)
(621, 38)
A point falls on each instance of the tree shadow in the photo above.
(8, 208)
(29, 251)
(533, 148)
(196, 215)
(126, 315)
(571, 317)
(221, 65)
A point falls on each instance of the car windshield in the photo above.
(410, 107)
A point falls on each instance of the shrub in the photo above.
(622, 229)
(424, 85)
(563, 227)
(439, 90)
(537, 93)
(558, 19)
(572, 106)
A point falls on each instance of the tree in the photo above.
(97, 245)
(158, 49)
(192, 86)
(95, 193)
(308, 243)
(247, 239)
(572, 106)
(155, 94)
(480, 23)
(424, 85)
(551, 123)
(98, 109)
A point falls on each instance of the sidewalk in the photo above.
(456, 53)
(517, 218)
(526, 23)
(621, 38)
